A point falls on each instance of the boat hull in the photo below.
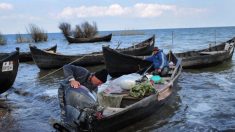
(46, 60)
(207, 57)
(106, 38)
(9, 67)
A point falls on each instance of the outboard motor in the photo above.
(73, 102)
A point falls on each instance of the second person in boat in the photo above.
(160, 62)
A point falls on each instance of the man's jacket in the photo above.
(80, 74)
(159, 60)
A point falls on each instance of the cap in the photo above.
(102, 75)
(155, 49)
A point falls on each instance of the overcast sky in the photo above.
(16, 15)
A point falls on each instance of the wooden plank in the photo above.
(212, 52)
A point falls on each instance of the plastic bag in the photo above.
(123, 82)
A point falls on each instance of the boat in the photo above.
(110, 118)
(208, 57)
(26, 56)
(106, 38)
(41, 58)
(116, 63)
(48, 60)
(143, 48)
(9, 64)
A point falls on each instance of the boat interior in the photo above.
(116, 102)
(211, 50)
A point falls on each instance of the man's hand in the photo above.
(75, 84)
(159, 70)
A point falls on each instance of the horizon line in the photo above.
(116, 30)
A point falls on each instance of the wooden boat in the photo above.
(41, 58)
(26, 56)
(8, 69)
(117, 65)
(48, 60)
(208, 57)
(128, 112)
(143, 48)
(106, 38)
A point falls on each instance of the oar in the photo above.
(62, 67)
(119, 43)
(147, 69)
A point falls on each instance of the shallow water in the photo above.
(203, 101)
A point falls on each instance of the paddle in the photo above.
(119, 43)
(143, 71)
(147, 69)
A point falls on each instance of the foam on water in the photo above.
(201, 107)
(51, 92)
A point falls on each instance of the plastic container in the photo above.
(156, 78)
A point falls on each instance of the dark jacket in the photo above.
(80, 74)
(159, 60)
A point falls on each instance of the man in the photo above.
(160, 62)
(78, 93)
(77, 76)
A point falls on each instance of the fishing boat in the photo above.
(106, 38)
(47, 60)
(208, 57)
(109, 118)
(41, 58)
(143, 48)
(116, 63)
(26, 56)
(8, 69)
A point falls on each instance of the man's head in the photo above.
(99, 77)
(155, 50)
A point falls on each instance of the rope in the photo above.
(61, 67)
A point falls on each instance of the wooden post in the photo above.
(215, 36)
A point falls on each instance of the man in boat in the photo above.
(77, 94)
(160, 62)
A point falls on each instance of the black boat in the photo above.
(106, 38)
(208, 57)
(118, 64)
(8, 69)
(26, 56)
(129, 111)
(42, 58)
